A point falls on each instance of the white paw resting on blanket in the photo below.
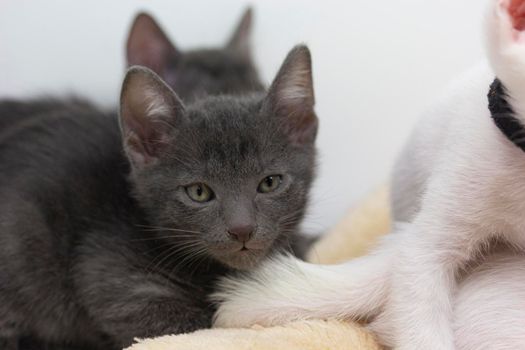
(282, 283)
(364, 224)
(286, 289)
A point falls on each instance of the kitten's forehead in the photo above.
(231, 137)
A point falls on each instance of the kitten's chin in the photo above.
(242, 259)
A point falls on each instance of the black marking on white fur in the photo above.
(504, 116)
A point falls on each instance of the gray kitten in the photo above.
(200, 72)
(116, 228)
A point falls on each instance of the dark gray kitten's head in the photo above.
(195, 73)
(233, 173)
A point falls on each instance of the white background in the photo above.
(377, 65)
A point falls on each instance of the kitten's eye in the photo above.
(270, 183)
(200, 192)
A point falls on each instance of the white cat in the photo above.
(442, 281)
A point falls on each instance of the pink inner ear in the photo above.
(145, 138)
(152, 54)
(301, 126)
(146, 145)
(517, 12)
(148, 45)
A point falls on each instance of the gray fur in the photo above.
(97, 249)
(196, 73)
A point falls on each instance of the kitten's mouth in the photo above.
(245, 249)
(254, 245)
(251, 246)
(243, 256)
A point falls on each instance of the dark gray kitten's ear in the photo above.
(149, 115)
(148, 46)
(240, 41)
(291, 97)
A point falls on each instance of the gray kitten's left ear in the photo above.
(149, 46)
(240, 41)
(291, 97)
(150, 113)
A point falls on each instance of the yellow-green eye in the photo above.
(269, 183)
(199, 192)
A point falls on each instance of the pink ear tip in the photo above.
(517, 12)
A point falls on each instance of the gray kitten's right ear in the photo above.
(291, 97)
(148, 46)
(149, 115)
(240, 41)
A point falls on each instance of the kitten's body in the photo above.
(99, 246)
(66, 198)
(448, 279)
(66, 208)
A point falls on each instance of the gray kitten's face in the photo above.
(231, 173)
(231, 176)
(194, 74)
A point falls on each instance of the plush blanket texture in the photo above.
(353, 236)
(303, 335)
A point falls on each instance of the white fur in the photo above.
(156, 104)
(286, 289)
(490, 306)
(462, 185)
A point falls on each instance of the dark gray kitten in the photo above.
(109, 233)
(195, 73)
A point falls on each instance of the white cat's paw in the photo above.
(262, 297)
(241, 303)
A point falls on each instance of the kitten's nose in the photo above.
(241, 233)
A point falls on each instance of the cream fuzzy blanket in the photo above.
(352, 237)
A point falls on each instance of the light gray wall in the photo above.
(377, 64)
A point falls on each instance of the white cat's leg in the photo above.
(409, 177)
(287, 289)
(469, 199)
(489, 310)
(412, 169)
(418, 312)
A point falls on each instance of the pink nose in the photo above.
(241, 233)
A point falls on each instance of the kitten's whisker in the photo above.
(189, 257)
(198, 261)
(181, 252)
(182, 258)
(163, 237)
(161, 228)
(197, 255)
(171, 244)
(176, 249)
(170, 252)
